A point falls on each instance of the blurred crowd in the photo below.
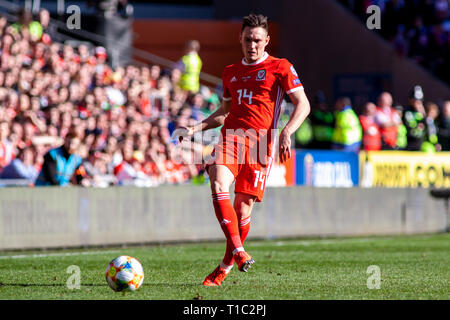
(381, 125)
(419, 29)
(122, 119)
(67, 117)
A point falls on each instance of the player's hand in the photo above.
(183, 133)
(284, 146)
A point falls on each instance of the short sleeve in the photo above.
(290, 80)
(226, 88)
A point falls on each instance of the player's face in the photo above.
(254, 42)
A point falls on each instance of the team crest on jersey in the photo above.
(294, 72)
(261, 75)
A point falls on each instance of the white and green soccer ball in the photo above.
(124, 273)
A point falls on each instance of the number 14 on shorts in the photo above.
(259, 178)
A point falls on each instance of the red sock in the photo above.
(226, 215)
(244, 228)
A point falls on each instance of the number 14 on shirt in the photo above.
(243, 94)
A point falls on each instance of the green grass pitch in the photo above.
(411, 267)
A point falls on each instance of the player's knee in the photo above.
(244, 205)
(218, 186)
(243, 210)
(245, 213)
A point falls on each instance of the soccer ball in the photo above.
(124, 273)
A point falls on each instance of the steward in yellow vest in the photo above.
(190, 66)
(347, 133)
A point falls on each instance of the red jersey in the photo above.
(388, 134)
(256, 91)
(371, 133)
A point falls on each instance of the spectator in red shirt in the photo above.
(388, 120)
(371, 130)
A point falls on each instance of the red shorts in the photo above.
(249, 168)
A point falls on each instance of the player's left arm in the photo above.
(301, 111)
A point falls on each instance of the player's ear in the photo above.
(267, 40)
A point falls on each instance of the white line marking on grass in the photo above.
(308, 242)
(56, 254)
(324, 241)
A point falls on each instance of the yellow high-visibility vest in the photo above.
(348, 128)
(190, 78)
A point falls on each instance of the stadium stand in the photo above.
(124, 116)
(418, 29)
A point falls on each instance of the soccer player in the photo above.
(253, 90)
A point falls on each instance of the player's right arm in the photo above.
(216, 119)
